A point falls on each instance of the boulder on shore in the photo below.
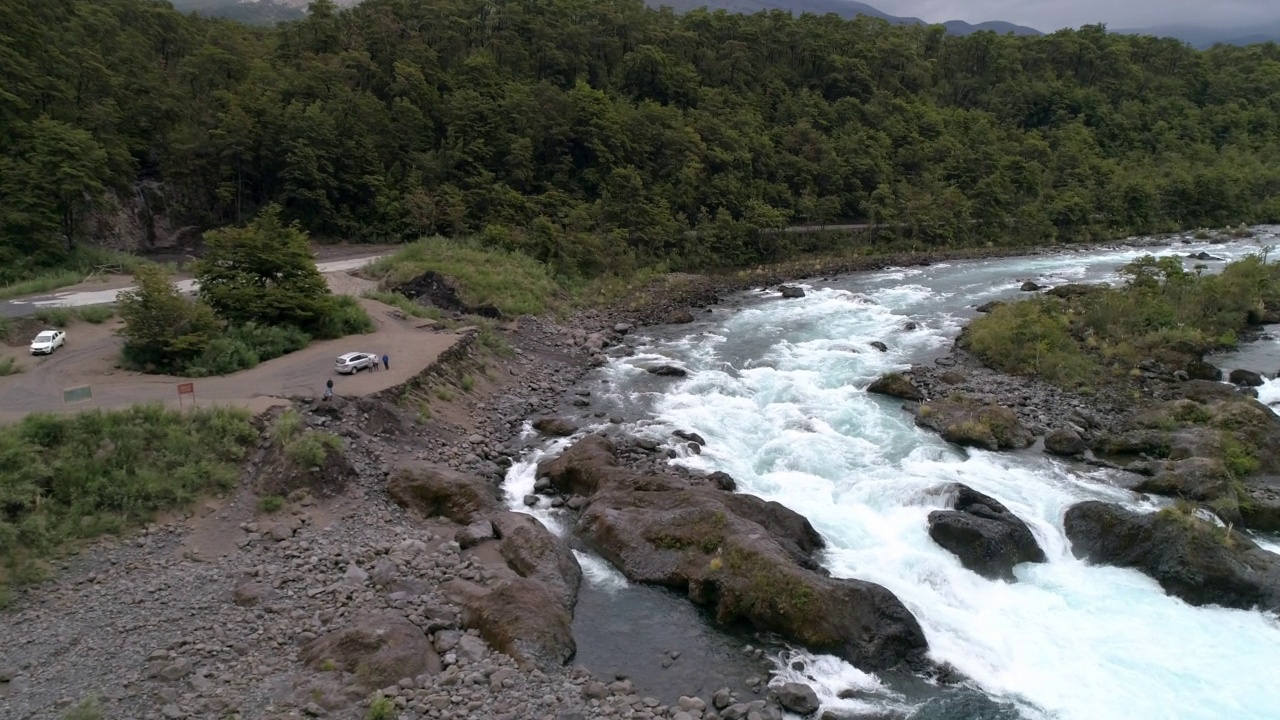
(680, 317)
(523, 619)
(1191, 559)
(436, 490)
(987, 538)
(1065, 442)
(798, 698)
(1201, 370)
(896, 385)
(535, 552)
(973, 424)
(746, 559)
(1029, 286)
(379, 649)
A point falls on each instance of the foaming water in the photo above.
(778, 391)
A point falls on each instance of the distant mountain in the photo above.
(843, 8)
(272, 11)
(1203, 37)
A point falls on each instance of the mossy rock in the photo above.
(972, 424)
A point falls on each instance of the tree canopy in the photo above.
(599, 134)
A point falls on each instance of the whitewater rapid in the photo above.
(777, 389)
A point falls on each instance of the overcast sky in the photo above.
(1050, 15)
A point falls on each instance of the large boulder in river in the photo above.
(896, 385)
(379, 649)
(746, 559)
(1191, 559)
(436, 490)
(792, 291)
(1245, 378)
(525, 620)
(535, 552)
(974, 424)
(988, 538)
(555, 426)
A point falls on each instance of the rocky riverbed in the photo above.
(351, 601)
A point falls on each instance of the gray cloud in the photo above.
(1049, 15)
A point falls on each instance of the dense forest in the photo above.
(597, 134)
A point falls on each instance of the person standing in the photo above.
(328, 389)
(386, 362)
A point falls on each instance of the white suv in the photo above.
(48, 341)
(352, 363)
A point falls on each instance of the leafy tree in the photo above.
(264, 273)
(162, 328)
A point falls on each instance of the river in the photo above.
(780, 398)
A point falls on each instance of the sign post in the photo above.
(71, 396)
(186, 389)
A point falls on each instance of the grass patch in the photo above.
(62, 317)
(9, 366)
(444, 394)
(468, 383)
(83, 263)
(87, 709)
(69, 477)
(96, 314)
(57, 317)
(512, 282)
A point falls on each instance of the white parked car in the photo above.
(352, 363)
(48, 341)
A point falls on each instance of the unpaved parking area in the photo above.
(90, 356)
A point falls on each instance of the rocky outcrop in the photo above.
(896, 385)
(439, 491)
(555, 426)
(379, 648)
(524, 619)
(534, 552)
(987, 538)
(746, 559)
(432, 288)
(1064, 442)
(1260, 503)
(1191, 559)
(974, 424)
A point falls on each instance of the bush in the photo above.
(56, 317)
(87, 709)
(344, 317)
(64, 477)
(9, 366)
(381, 708)
(96, 314)
(309, 449)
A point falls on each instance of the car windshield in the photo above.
(46, 335)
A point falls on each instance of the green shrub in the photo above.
(468, 383)
(56, 317)
(64, 477)
(269, 341)
(270, 503)
(223, 356)
(9, 366)
(344, 317)
(381, 708)
(310, 448)
(96, 314)
(286, 427)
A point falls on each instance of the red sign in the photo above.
(187, 389)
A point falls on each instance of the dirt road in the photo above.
(90, 356)
(103, 290)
